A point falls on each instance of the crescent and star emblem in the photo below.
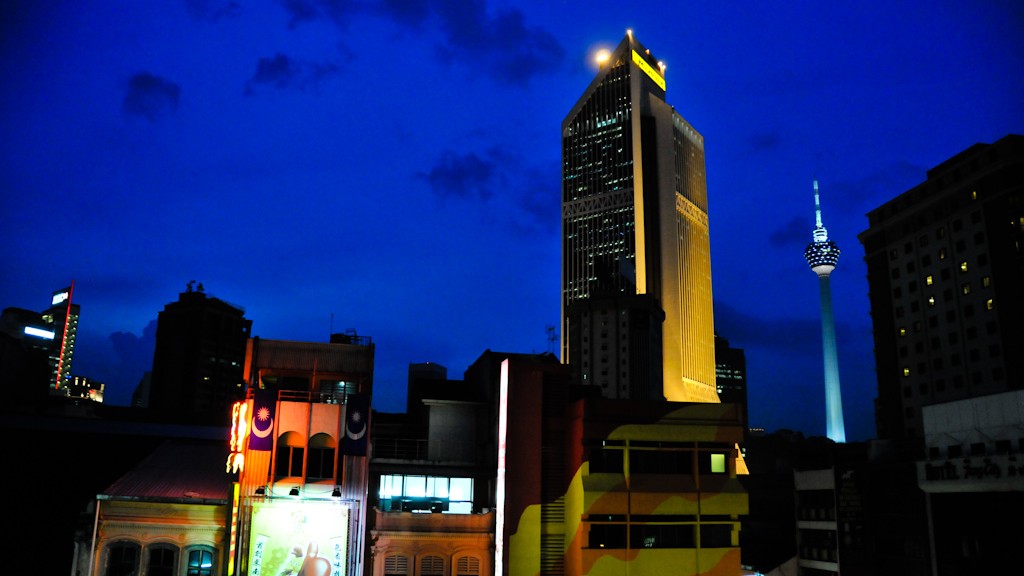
(263, 414)
(356, 418)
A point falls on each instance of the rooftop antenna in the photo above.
(552, 338)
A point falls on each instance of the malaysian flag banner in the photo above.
(261, 431)
(357, 424)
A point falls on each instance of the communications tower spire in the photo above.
(822, 255)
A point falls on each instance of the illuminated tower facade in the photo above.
(822, 255)
(635, 229)
(62, 317)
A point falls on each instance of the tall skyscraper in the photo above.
(635, 228)
(945, 268)
(822, 255)
(198, 358)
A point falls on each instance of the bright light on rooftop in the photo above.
(602, 56)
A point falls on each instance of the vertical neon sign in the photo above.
(64, 336)
(499, 489)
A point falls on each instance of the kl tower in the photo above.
(822, 255)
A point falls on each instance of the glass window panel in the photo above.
(461, 489)
(415, 486)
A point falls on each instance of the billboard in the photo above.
(298, 537)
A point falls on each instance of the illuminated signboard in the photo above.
(298, 537)
(59, 297)
(48, 334)
(654, 75)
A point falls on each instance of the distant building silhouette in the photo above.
(635, 223)
(198, 359)
(945, 268)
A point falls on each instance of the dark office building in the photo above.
(731, 374)
(635, 223)
(198, 359)
(945, 267)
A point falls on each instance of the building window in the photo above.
(713, 463)
(715, 536)
(662, 536)
(123, 559)
(963, 266)
(989, 304)
(290, 452)
(903, 331)
(162, 560)
(986, 282)
(660, 461)
(607, 536)
(467, 566)
(931, 300)
(942, 253)
(200, 563)
(396, 566)
(321, 457)
(432, 566)
(906, 371)
(606, 460)
(928, 280)
(414, 493)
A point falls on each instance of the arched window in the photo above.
(321, 457)
(200, 562)
(123, 559)
(467, 566)
(290, 451)
(432, 566)
(162, 559)
(396, 566)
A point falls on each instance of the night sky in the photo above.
(393, 167)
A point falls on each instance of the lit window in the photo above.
(942, 254)
(989, 304)
(906, 371)
(966, 288)
(974, 194)
(718, 463)
(200, 563)
(986, 281)
(903, 331)
(963, 266)
(931, 300)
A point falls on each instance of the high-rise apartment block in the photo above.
(198, 359)
(635, 233)
(945, 267)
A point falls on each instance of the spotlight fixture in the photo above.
(336, 493)
(294, 491)
(261, 491)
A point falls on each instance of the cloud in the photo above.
(463, 176)
(150, 96)
(796, 232)
(212, 10)
(501, 44)
(282, 72)
(765, 141)
(301, 11)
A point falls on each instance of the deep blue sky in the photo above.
(393, 167)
